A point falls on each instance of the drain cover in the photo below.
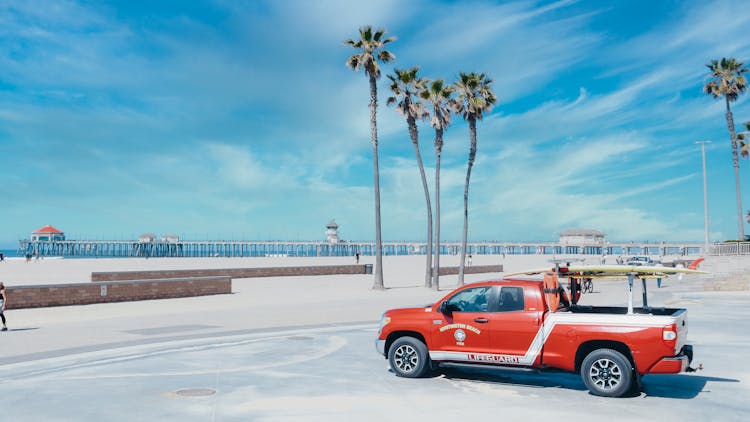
(300, 338)
(195, 392)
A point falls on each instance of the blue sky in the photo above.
(239, 120)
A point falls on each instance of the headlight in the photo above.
(384, 320)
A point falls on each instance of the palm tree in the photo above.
(439, 96)
(405, 86)
(475, 97)
(369, 52)
(727, 79)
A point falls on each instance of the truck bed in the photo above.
(622, 310)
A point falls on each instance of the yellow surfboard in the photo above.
(590, 271)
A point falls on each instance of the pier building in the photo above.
(47, 234)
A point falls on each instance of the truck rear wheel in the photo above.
(607, 373)
(409, 358)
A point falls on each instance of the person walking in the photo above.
(3, 303)
(357, 256)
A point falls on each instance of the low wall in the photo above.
(269, 272)
(122, 291)
(231, 272)
(472, 269)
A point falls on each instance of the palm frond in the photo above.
(366, 32)
(745, 150)
(386, 56)
(354, 62)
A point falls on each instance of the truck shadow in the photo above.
(525, 379)
(674, 386)
(678, 386)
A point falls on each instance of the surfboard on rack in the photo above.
(576, 273)
(610, 271)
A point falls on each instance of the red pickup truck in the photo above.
(508, 323)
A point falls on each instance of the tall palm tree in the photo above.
(405, 86)
(475, 97)
(439, 96)
(727, 79)
(370, 51)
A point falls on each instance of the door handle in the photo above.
(481, 320)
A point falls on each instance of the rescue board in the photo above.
(588, 271)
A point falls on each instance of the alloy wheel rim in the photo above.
(406, 358)
(605, 374)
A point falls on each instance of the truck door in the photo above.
(515, 321)
(463, 325)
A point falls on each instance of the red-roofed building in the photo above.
(47, 234)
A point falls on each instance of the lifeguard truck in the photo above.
(531, 324)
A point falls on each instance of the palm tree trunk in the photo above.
(438, 153)
(472, 156)
(414, 134)
(736, 164)
(378, 283)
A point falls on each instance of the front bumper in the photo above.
(380, 346)
(675, 364)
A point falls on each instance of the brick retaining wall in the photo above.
(122, 291)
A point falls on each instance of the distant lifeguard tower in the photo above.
(580, 237)
(332, 232)
(170, 238)
(147, 238)
(47, 234)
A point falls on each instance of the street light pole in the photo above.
(705, 193)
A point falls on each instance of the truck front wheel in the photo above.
(409, 358)
(607, 373)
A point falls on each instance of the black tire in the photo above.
(409, 358)
(607, 373)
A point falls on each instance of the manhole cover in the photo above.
(300, 338)
(195, 392)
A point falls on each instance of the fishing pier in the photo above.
(225, 248)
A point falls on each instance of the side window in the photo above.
(470, 300)
(511, 299)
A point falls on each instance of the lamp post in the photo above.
(705, 193)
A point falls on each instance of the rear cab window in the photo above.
(510, 299)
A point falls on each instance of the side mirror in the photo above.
(448, 309)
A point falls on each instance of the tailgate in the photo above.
(681, 322)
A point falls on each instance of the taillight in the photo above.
(669, 335)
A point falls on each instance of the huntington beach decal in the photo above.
(471, 328)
